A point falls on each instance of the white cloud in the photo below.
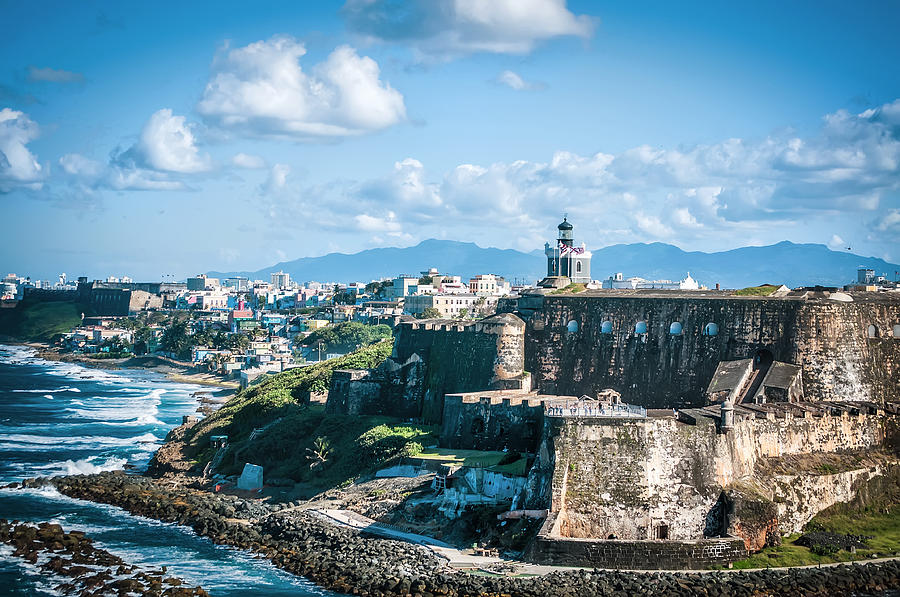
(276, 181)
(167, 144)
(836, 243)
(448, 28)
(261, 90)
(88, 176)
(406, 183)
(52, 75)
(18, 166)
(727, 193)
(369, 223)
(515, 81)
(251, 162)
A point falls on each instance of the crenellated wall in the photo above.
(658, 369)
(463, 356)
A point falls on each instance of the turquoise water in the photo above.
(61, 418)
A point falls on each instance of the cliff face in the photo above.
(661, 352)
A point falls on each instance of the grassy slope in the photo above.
(764, 290)
(351, 445)
(874, 513)
(39, 321)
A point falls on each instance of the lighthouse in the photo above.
(567, 259)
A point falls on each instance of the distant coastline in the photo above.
(178, 371)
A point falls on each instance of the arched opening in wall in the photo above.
(578, 267)
(872, 332)
(661, 532)
(606, 327)
(572, 326)
(710, 329)
(676, 328)
(640, 327)
(897, 330)
(477, 426)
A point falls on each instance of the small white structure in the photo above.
(251, 478)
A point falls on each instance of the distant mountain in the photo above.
(453, 257)
(781, 263)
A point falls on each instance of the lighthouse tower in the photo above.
(566, 258)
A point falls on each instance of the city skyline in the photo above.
(143, 140)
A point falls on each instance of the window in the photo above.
(872, 332)
(897, 330)
(606, 327)
(572, 326)
(675, 329)
(640, 327)
(577, 267)
(711, 329)
(662, 531)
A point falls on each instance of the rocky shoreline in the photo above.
(341, 559)
(89, 571)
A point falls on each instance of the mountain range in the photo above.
(782, 263)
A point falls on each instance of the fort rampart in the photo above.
(660, 477)
(661, 350)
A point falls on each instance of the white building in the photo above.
(281, 280)
(618, 281)
(489, 284)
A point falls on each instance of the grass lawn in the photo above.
(884, 528)
(764, 290)
(475, 458)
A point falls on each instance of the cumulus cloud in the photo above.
(18, 166)
(53, 75)
(447, 28)
(167, 144)
(515, 81)
(251, 162)
(734, 189)
(261, 90)
(405, 184)
(88, 176)
(276, 181)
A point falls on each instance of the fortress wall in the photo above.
(629, 478)
(462, 357)
(485, 424)
(840, 361)
(660, 370)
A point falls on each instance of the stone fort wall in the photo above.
(661, 478)
(582, 344)
(463, 356)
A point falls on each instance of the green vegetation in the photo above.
(349, 335)
(511, 463)
(300, 442)
(764, 290)
(570, 289)
(883, 528)
(430, 313)
(39, 321)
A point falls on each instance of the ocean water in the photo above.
(62, 418)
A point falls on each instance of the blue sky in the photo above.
(169, 138)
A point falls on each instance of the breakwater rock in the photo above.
(343, 560)
(90, 570)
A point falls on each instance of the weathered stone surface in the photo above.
(827, 339)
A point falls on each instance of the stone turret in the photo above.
(727, 416)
